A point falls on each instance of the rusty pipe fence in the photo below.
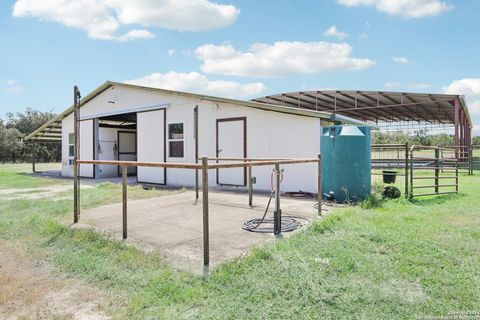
(434, 169)
(464, 156)
(474, 158)
(204, 167)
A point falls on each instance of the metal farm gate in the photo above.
(433, 171)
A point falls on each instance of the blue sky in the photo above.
(241, 49)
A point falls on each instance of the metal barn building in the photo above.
(127, 122)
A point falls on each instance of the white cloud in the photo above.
(11, 86)
(279, 58)
(474, 108)
(476, 130)
(418, 85)
(467, 86)
(198, 83)
(136, 34)
(104, 19)
(405, 8)
(401, 60)
(171, 52)
(333, 32)
(364, 36)
(415, 86)
(392, 85)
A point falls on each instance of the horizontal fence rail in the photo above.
(204, 167)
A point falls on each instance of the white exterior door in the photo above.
(232, 143)
(151, 145)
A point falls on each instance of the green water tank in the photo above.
(346, 156)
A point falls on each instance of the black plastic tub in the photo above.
(389, 176)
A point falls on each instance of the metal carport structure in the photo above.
(384, 108)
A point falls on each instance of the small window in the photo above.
(175, 140)
(71, 144)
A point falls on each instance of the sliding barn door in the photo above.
(151, 145)
(86, 148)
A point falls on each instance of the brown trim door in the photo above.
(231, 136)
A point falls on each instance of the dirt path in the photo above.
(29, 290)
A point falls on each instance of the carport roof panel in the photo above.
(375, 106)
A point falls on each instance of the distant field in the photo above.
(398, 261)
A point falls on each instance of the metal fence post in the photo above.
(206, 241)
(456, 176)
(195, 124)
(124, 200)
(411, 173)
(437, 168)
(406, 170)
(277, 219)
(250, 187)
(470, 161)
(319, 186)
(76, 191)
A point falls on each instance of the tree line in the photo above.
(16, 127)
(419, 137)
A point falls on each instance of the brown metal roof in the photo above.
(376, 106)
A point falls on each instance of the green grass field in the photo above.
(399, 261)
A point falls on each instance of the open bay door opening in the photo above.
(232, 143)
(151, 145)
(127, 149)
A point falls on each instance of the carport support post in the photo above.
(319, 186)
(124, 200)
(277, 217)
(34, 155)
(206, 241)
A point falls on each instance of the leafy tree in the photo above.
(18, 126)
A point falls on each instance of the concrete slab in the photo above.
(173, 224)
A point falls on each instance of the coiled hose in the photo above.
(288, 223)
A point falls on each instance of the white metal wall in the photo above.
(269, 135)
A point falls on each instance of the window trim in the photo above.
(71, 144)
(176, 140)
